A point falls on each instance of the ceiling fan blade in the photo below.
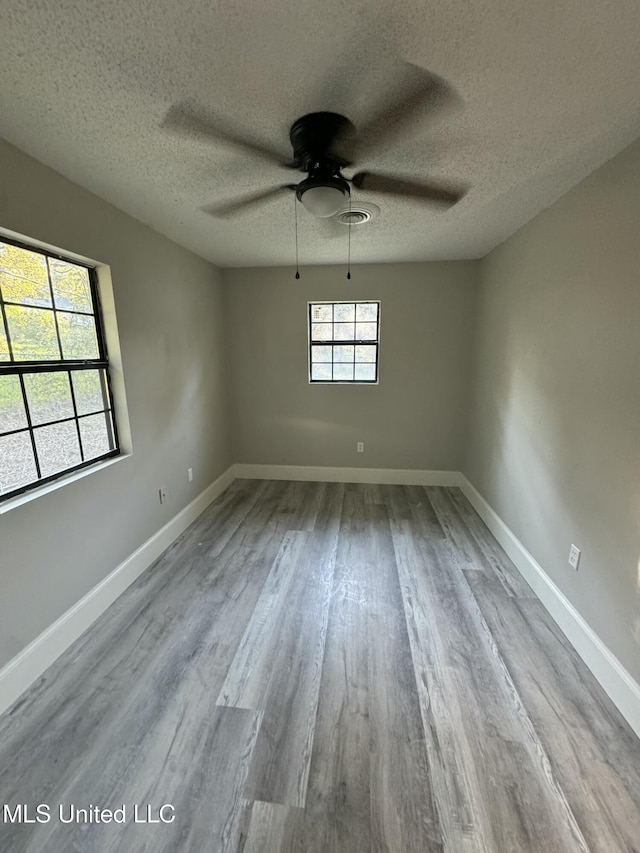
(418, 94)
(239, 205)
(389, 185)
(187, 120)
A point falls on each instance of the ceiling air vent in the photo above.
(357, 214)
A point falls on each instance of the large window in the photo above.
(56, 411)
(343, 341)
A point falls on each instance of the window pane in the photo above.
(57, 447)
(321, 332)
(23, 263)
(88, 391)
(343, 331)
(343, 372)
(343, 353)
(95, 436)
(366, 331)
(320, 353)
(4, 345)
(365, 352)
(26, 292)
(344, 312)
(48, 396)
(322, 313)
(33, 334)
(365, 372)
(78, 336)
(70, 284)
(17, 466)
(367, 312)
(321, 372)
(12, 413)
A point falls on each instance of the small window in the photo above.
(343, 341)
(56, 409)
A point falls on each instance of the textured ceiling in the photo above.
(547, 92)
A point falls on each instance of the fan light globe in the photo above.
(323, 201)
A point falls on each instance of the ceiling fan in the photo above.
(326, 143)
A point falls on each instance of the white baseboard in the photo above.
(322, 474)
(35, 658)
(621, 688)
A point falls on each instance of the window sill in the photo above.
(26, 497)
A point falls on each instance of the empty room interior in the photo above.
(319, 427)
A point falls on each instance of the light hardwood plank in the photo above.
(360, 796)
(474, 549)
(268, 827)
(280, 767)
(301, 504)
(278, 664)
(593, 753)
(221, 520)
(503, 568)
(481, 741)
(464, 550)
(329, 512)
(248, 676)
(277, 669)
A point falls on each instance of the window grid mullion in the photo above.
(104, 412)
(79, 313)
(106, 401)
(55, 313)
(349, 343)
(30, 427)
(6, 327)
(13, 431)
(46, 308)
(16, 367)
(75, 414)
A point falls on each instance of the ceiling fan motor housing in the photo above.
(313, 138)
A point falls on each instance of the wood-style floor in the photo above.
(324, 667)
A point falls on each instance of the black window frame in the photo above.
(20, 368)
(354, 342)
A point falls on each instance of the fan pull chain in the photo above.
(349, 250)
(295, 213)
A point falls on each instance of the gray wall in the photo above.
(555, 429)
(414, 418)
(168, 302)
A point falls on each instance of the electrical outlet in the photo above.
(574, 557)
(360, 447)
(190, 474)
(162, 494)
